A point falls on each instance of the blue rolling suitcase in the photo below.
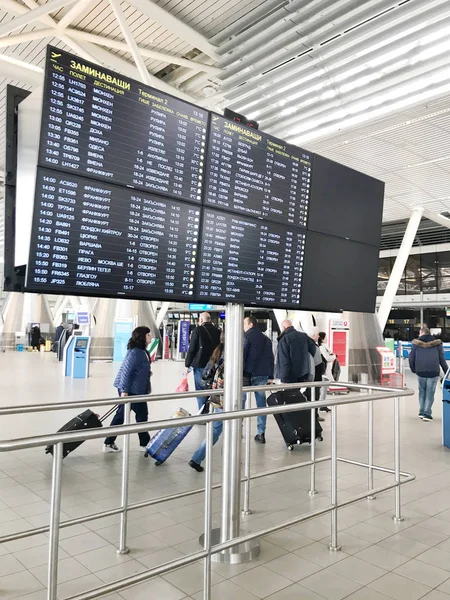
(167, 440)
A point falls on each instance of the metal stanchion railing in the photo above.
(127, 429)
(312, 485)
(123, 549)
(248, 432)
(208, 512)
(55, 514)
(398, 508)
(334, 543)
(370, 447)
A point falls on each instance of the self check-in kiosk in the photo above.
(77, 356)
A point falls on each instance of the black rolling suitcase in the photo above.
(85, 420)
(295, 427)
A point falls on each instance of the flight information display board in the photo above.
(105, 126)
(96, 238)
(254, 174)
(251, 261)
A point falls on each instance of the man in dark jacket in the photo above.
(258, 367)
(204, 340)
(294, 347)
(425, 358)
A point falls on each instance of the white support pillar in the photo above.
(162, 313)
(399, 266)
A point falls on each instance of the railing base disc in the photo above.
(240, 553)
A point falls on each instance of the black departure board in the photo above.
(105, 126)
(255, 174)
(91, 237)
(249, 260)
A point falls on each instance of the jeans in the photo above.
(199, 455)
(260, 398)
(141, 411)
(427, 387)
(198, 386)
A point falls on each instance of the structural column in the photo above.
(232, 400)
(399, 266)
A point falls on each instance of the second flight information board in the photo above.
(102, 125)
(251, 261)
(104, 240)
(254, 174)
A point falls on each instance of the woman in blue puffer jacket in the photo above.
(133, 379)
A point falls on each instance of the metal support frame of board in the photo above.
(14, 277)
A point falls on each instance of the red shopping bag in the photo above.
(183, 386)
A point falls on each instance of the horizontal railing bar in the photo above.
(191, 558)
(121, 584)
(30, 408)
(362, 464)
(145, 504)
(307, 463)
(92, 434)
(311, 515)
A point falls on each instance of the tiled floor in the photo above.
(379, 559)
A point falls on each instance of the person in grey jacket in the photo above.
(425, 358)
(293, 363)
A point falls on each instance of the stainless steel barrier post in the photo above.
(398, 509)
(334, 542)
(55, 515)
(248, 433)
(370, 457)
(208, 512)
(123, 549)
(312, 486)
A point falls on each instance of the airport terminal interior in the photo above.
(204, 196)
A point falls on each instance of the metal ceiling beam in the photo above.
(149, 53)
(176, 26)
(17, 70)
(75, 11)
(33, 15)
(123, 66)
(29, 36)
(133, 47)
(437, 218)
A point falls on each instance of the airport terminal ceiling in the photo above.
(361, 83)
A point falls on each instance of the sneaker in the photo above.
(325, 409)
(425, 418)
(143, 448)
(421, 415)
(320, 419)
(110, 448)
(196, 466)
(261, 438)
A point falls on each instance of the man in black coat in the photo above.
(258, 367)
(294, 347)
(425, 359)
(204, 340)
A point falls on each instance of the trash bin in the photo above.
(446, 410)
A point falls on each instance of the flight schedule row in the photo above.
(247, 260)
(102, 125)
(255, 174)
(96, 238)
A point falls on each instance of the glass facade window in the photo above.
(428, 271)
(384, 272)
(443, 270)
(412, 274)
